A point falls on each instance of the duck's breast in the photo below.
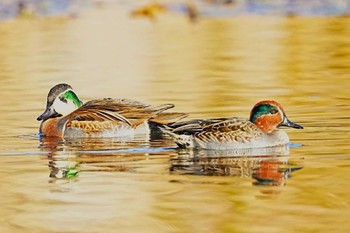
(51, 128)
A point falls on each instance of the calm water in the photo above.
(213, 68)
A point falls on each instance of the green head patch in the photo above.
(70, 95)
(260, 110)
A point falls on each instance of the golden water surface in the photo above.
(211, 68)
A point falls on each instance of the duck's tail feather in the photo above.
(161, 108)
(165, 118)
(182, 140)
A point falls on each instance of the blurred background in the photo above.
(211, 58)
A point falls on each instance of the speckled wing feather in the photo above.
(230, 130)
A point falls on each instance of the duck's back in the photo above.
(115, 118)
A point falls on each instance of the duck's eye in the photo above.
(273, 111)
(63, 99)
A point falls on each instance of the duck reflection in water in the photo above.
(268, 166)
(69, 158)
(62, 165)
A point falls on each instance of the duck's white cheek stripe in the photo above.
(63, 108)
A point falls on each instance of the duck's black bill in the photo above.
(47, 114)
(291, 124)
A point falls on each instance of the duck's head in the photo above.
(268, 115)
(61, 101)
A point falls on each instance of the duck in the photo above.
(66, 116)
(260, 131)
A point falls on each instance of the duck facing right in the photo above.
(260, 131)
